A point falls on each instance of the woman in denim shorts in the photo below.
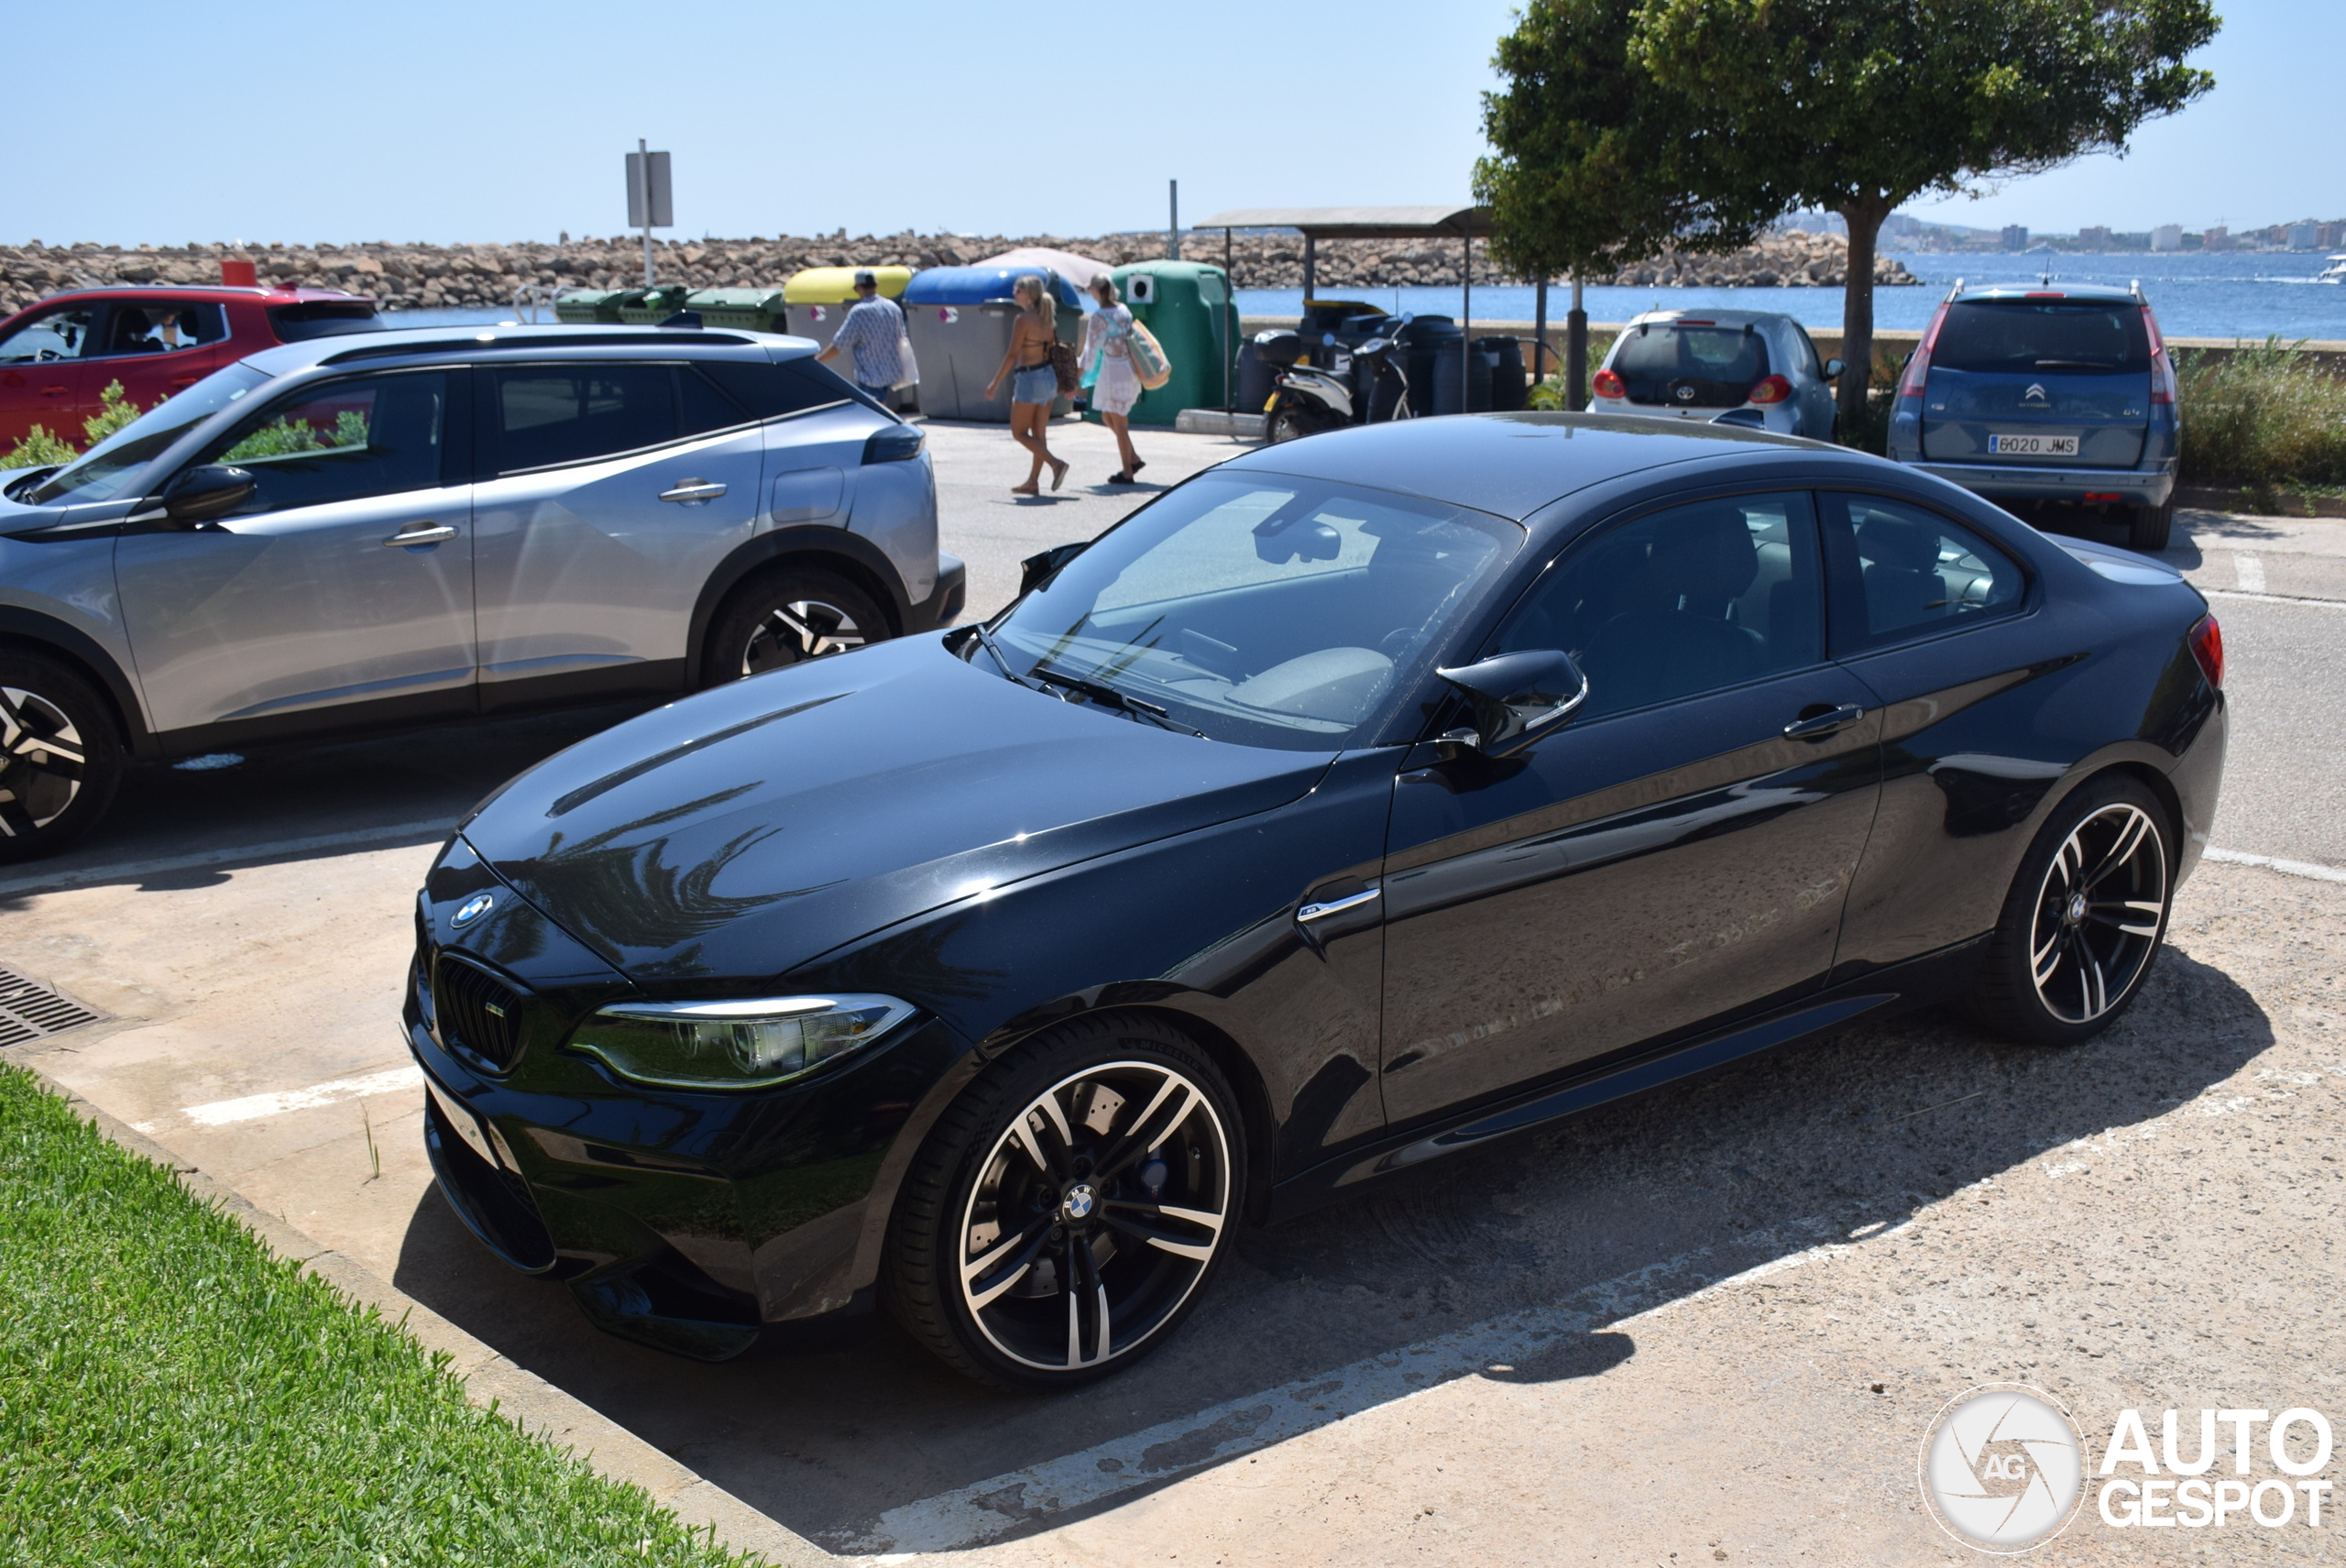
(1034, 385)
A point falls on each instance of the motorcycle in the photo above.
(1308, 399)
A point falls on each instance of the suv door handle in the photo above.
(1311, 912)
(1818, 726)
(424, 533)
(694, 490)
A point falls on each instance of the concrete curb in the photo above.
(490, 1380)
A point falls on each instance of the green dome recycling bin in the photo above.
(959, 318)
(1186, 307)
(587, 307)
(744, 310)
(650, 307)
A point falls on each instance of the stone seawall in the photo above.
(413, 276)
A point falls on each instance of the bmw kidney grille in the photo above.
(477, 1014)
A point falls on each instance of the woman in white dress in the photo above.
(1108, 343)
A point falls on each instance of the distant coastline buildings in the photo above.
(1902, 231)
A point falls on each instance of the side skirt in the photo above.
(1917, 982)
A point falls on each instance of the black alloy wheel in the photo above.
(788, 617)
(1070, 1207)
(60, 756)
(2150, 527)
(2082, 924)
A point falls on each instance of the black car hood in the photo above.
(743, 831)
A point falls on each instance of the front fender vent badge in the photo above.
(30, 1011)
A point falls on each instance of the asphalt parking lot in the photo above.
(1711, 1325)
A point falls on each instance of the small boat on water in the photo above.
(2335, 272)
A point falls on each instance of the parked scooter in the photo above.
(1308, 398)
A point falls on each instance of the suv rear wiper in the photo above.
(1108, 697)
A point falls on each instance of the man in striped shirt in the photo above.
(871, 333)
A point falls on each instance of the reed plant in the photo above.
(2265, 416)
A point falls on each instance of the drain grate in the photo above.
(29, 1011)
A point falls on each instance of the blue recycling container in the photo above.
(958, 319)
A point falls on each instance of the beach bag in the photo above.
(1149, 363)
(1063, 368)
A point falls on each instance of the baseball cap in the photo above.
(864, 280)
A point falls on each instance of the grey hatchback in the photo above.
(420, 526)
(2062, 393)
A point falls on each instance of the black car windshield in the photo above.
(1704, 366)
(2063, 337)
(99, 474)
(1263, 608)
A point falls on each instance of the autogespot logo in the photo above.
(2003, 1468)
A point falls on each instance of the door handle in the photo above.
(694, 490)
(427, 533)
(1311, 912)
(52, 391)
(1819, 726)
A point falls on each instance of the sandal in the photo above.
(1058, 473)
(1133, 473)
(1121, 477)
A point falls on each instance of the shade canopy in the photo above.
(1079, 271)
(1359, 223)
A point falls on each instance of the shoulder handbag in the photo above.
(1063, 368)
(1149, 363)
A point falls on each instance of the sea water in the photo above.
(2224, 295)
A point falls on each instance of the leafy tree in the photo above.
(1593, 169)
(1859, 107)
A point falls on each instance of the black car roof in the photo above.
(1514, 464)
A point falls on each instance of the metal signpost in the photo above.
(1173, 234)
(650, 202)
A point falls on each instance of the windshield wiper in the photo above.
(985, 640)
(1108, 697)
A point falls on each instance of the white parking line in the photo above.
(2270, 598)
(2249, 572)
(85, 876)
(971, 1515)
(2313, 869)
(252, 1107)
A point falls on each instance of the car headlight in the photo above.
(734, 1045)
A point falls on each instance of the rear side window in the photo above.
(543, 416)
(321, 318)
(1692, 367)
(1901, 571)
(165, 327)
(58, 334)
(371, 435)
(2028, 337)
(769, 390)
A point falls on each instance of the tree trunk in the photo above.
(1864, 218)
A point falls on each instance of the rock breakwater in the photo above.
(427, 276)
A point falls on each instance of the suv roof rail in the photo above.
(1951, 293)
(2135, 288)
(473, 343)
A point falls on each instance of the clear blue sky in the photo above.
(488, 121)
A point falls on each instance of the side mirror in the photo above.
(1833, 367)
(1037, 570)
(1518, 698)
(211, 491)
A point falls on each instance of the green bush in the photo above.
(40, 450)
(2264, 415)
(288, 437)
(114, 411)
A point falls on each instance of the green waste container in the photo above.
(745, 310)
(1186, 307)
(650, 307)
(586, 307)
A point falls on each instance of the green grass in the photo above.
(2265, 416)
(171, 1393)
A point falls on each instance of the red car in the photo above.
(58, 357)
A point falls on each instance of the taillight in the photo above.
(1609, 384)
(2207, 647)
(1772, 389)
(1918, 369)
(2161, 367)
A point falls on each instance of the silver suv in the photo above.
(419, 526)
